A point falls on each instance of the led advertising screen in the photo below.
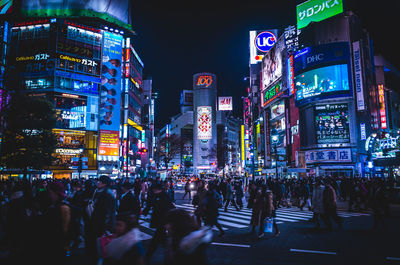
(332, 123)
(110, 100)
(204, 123)
(109, 143)
(317, 10)
(272, 64)
(116, 11)
(322, 82)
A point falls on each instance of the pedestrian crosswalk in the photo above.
(241, 219)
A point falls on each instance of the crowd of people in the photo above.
(44, 220)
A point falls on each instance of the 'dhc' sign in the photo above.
(264, 41)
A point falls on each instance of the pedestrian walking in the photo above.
(230, 196)
(187, 243)
(258, 209)
(125, 248)
(102, 219)
(129, 201)
(212, 201)
(187, 190)
(161, 204)
(330, 207)
(318, 202)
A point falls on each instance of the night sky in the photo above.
(176, 40)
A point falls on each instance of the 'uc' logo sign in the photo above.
(264, 41)
(204, 80)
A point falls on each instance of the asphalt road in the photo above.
(298, 243)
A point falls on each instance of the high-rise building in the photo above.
(80, 57)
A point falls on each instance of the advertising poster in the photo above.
(110, 91)
(322, 81)
(204, 123)
(225, 103)
(332, 123)
(109, 143)
(272, 64)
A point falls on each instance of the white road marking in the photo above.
(312, 251)
(230, 245)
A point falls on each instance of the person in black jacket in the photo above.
(161, 204)
(103, 217)
(129, 202)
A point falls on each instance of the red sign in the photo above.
(204, 80)
(109, 143)
(382, 106)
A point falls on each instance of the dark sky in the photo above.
(176, 40)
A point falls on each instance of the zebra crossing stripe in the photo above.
(233, 219)
(292, 217)
(285, 219)
(231, 224)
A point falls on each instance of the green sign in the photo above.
(317, 10)
(271, 94)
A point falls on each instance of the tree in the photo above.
(168, 148)
(28, 140)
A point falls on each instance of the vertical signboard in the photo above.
(110, 100)
(382, 106)
(290, 75)
(242, 141)
(204, 123)
(358, 76)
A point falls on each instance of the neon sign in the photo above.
(204, 80)
(382, 106)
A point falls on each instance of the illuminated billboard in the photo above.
(110, 100)
(322, 82)
(114, 11)
(204, 123)
(317, 10)
(332, 123)
(270, 94)
(109, 143)
(260, 42)
(272, 64)
(225, 103)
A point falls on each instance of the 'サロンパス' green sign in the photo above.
(317, 10)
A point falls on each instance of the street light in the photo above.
(275, 139)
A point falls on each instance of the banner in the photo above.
(317, 10)
(204, 123)
(110, 91)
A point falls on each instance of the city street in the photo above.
(354, 244)
(298, 243)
